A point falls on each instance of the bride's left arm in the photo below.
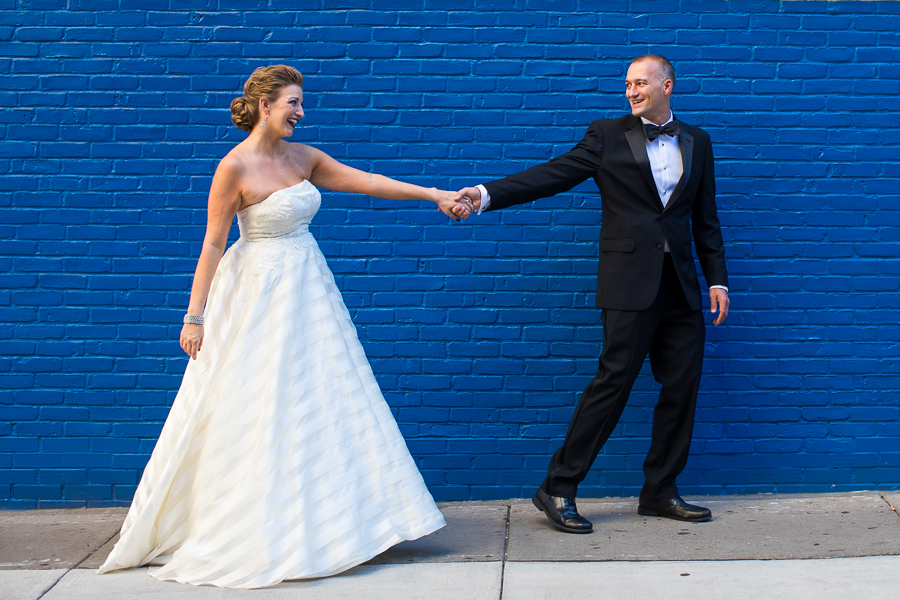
(224, 199)
(326, 172)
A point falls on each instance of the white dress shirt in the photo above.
(665, 163)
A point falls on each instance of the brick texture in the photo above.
(113, 114)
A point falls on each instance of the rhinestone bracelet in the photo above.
(194, 319)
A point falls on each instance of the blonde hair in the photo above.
(264, 82)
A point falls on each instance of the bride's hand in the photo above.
(447, 204)
(191, 339)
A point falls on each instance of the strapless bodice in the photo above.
(284, 213)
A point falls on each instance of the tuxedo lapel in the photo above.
(634, 133)
(686, 145)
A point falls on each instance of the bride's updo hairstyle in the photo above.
(264, 82)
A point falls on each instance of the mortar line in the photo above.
(505, 551)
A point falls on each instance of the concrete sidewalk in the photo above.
(787, 546)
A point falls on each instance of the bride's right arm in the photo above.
(224, 200)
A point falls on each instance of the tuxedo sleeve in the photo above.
(706, 228)
(554, 177)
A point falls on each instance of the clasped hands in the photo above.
(460, 205)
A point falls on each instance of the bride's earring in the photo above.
(264, 122)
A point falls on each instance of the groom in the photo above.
(657, 189)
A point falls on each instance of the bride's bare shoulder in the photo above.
(308, 157)
(300, 151)
(229, 178)
(235, 163)
(303, 157)
(235, 157)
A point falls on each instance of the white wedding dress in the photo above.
(279, 458)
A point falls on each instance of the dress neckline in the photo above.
(249, 206)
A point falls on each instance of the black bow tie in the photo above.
(654, 131)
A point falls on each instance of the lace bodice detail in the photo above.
(274, 234)
(286, 212)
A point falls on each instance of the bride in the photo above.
(279, 458)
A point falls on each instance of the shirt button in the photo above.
(659, 246)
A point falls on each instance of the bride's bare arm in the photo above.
(330, 174)
(224, 200)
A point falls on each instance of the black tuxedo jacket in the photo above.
(635, 226)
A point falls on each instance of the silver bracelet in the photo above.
(194, 319)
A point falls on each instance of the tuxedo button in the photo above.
(659, 246)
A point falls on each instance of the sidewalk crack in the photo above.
(91, 553)
(896, 509)
(53, 585)
(505, 550)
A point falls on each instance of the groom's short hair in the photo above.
(665, 67)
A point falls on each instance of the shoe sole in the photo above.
(646, 512)
(557, 525)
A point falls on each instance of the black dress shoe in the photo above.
(675, 508)
(562, 512)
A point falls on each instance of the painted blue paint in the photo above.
(113, 114)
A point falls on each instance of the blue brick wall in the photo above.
(113, 114)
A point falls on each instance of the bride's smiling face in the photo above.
(285, 111)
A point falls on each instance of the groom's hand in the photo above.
(718, 299)
(449, 206)
(463, 208)
(473, 194)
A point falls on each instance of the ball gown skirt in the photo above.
(280, 458)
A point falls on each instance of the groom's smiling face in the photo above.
(648, 91)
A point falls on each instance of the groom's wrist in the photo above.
(485, 198)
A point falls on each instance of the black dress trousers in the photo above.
(673, 334)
